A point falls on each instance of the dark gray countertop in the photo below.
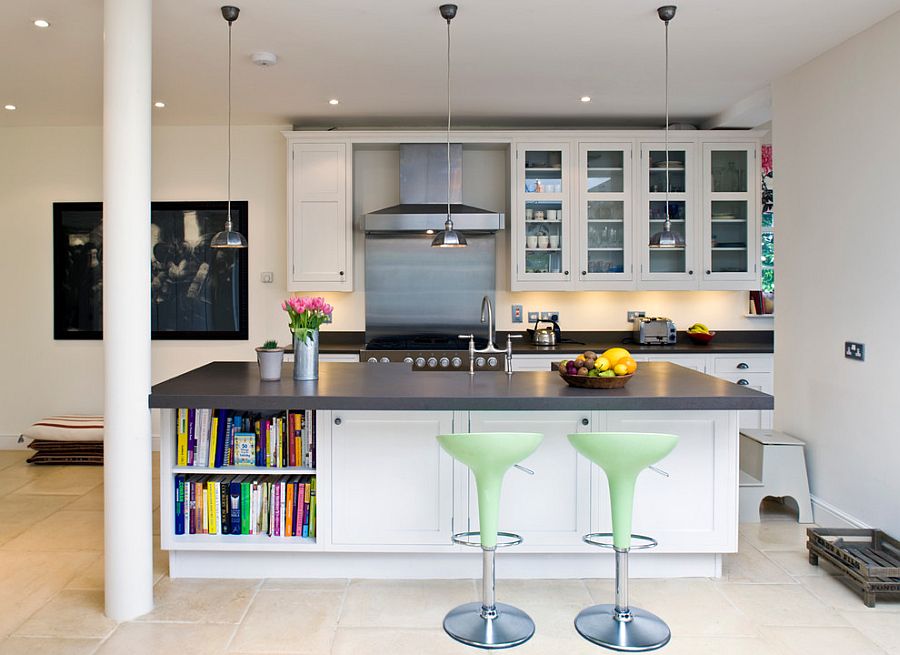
(725, 342)
(656, 386)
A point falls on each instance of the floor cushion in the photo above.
(69, 439)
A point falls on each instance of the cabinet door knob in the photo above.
(690, 272)
(566, 273)
(743, 382)
(743, 365)
(708, 272)
(585, 421)
(337, 421)
(583, 273)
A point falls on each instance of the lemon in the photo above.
(620, 369)
(601, 364)
(629, 363)
(613, 355)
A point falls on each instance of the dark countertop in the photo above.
(725, 342)
(656, 386)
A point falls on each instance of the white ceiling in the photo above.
(516, 62)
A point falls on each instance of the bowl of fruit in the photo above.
(699, 333)
(609, 370)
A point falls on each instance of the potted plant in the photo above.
(306, 316)
(270, 356)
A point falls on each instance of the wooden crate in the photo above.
(869, 560)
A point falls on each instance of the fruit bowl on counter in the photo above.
(610, 370)
(700, 334)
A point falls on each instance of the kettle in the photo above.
(548, 336)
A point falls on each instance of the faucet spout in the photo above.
(488, 310)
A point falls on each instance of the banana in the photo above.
(698, 327)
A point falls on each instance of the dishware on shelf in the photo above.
(543, 241)
(554, 241)
(529, 214)
(531, 242)
(538, 187)
(529, 187)
(701, 337)
(552, 214)
(539, 215)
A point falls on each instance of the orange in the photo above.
(620, 369)
(630, 363)
(615, 354)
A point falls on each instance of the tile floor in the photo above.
(769, 602)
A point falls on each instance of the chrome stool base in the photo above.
(510, 627)
(645, 631)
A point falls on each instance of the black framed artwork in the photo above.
(196, 292)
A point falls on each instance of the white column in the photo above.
(126, 307)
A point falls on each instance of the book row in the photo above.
(242, 504)
(220, 437)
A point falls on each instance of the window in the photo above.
(768, 222)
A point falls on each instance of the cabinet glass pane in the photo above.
(543, 171)
(544, 236)
(668, 260)
(606, 236)
(605, 171)
(729, 171)
(729, 236)
(673, 165)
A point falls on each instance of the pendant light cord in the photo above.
(449, 225)
(228, 226)
(668, 224)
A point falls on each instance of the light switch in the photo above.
(267, 277)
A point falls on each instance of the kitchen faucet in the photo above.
(487, 314)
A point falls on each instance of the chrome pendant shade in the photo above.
(448, 237)
(667, 238)
(228, 238)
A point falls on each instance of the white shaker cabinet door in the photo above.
(319, 226)
(552, 507)
(392, 483)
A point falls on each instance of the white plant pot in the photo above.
(270, 362)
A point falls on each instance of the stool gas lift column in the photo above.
(622, 456)
(489, 455)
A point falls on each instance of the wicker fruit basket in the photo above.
(585, 382)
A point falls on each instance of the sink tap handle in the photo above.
(471, 338)
(509, 337)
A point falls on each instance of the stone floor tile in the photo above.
(882, 629)
(62, 530)
(833, 591)
(70, 480)
(751, 565)
(796, 563)
(818, 640)
(93, 499)
(403, 603)
(338, 584)
(286, 621)
(396, 641)
(47, 646)
(775, 535)
(158, 638)
(71, 613)
(18, 512)
(722, 646)
(201, 601)
(781, 604)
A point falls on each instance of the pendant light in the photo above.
(448, 238)
(228, 238)
(667, 238)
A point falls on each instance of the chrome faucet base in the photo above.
(502, 626)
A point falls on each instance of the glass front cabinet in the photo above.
(605, 243)
(668, 259)
(730, 225)
(542, 243)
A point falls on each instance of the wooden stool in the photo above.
(772, 464)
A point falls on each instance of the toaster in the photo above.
(653, 330)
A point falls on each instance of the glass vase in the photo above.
(306, 357)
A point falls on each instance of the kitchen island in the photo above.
(388, 498)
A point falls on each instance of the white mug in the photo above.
(529, 213)
(531, 242)
(554, 241)
(552, 214)
(543, 241)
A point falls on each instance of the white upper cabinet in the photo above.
(668, 266)
(320, 229)
(605, 226)
(730, 208)
(542, 218)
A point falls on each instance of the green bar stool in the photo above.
(489, 455)
(622, 455)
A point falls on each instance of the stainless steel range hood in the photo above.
(423, 195)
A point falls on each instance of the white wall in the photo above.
(39, 166)
(837, 160)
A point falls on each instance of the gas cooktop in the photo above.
(429, 352)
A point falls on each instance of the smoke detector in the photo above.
(264, 59)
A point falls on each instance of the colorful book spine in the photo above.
(192, 437)
(213, 441)
(179, 504)
(234, 499)
(181, 444)
(312, 507)
(306, 512)
(218, 455)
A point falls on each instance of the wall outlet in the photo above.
(554, 315)
(517, 313)
(853, 350)
(267, 277)
(635, 314)
(533, 317)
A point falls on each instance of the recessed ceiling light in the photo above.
(333, 101)
(9, 107)
(159, 105)
(585, 98)
(40, 22)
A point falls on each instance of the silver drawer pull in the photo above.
(524, 469)
(743, 382)
(659, 470)
(743, 365)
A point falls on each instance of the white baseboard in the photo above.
(828, 516)
(11, 442)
